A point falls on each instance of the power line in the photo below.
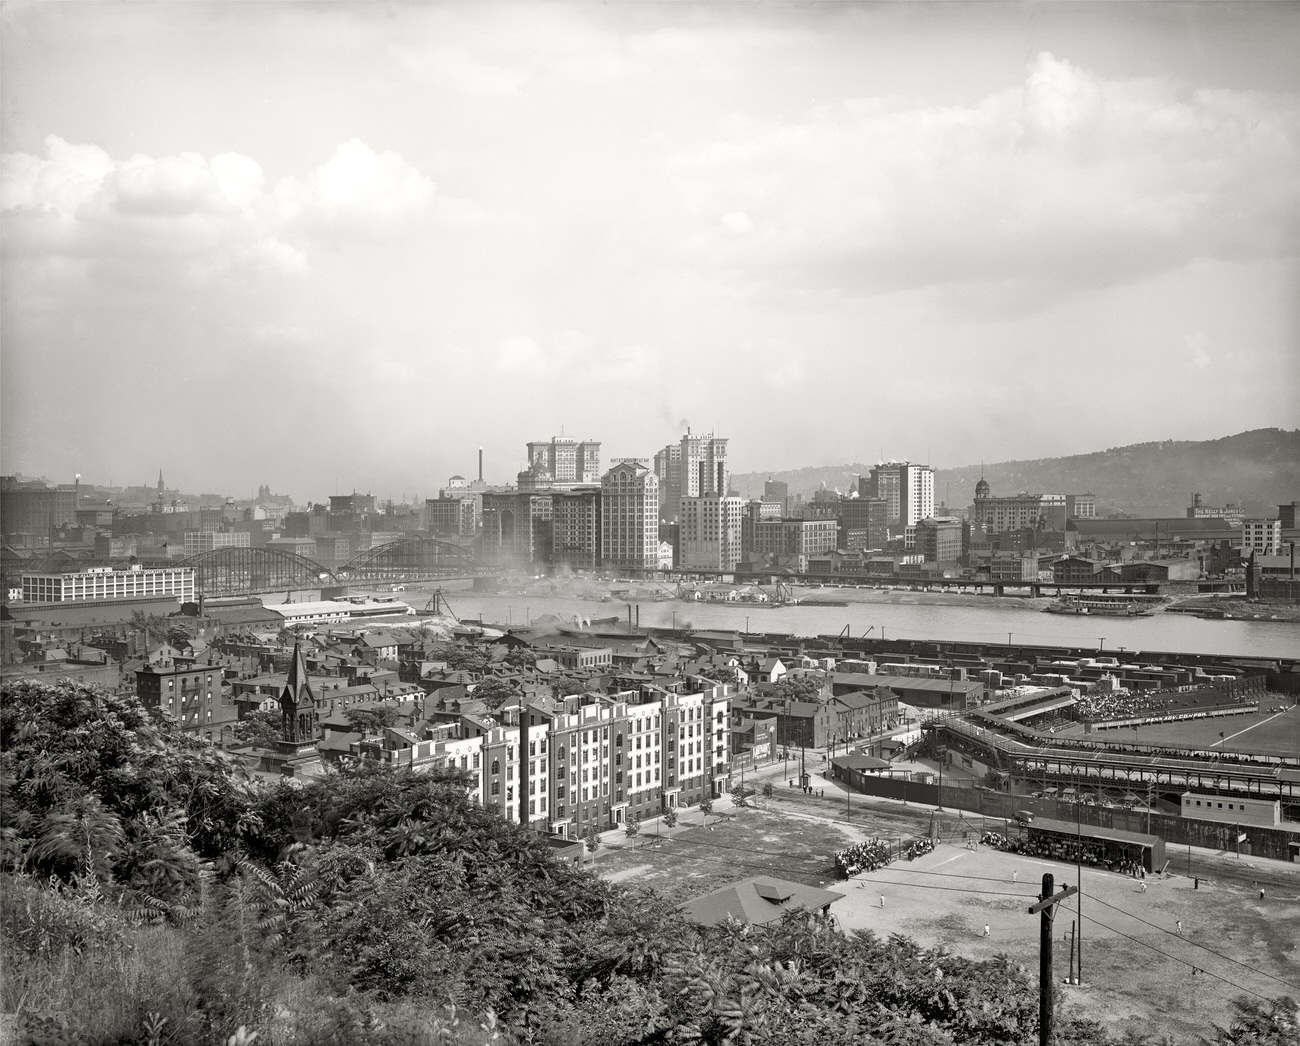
(1175, 958)
(1206, 947)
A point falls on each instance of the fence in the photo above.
(1175, 830)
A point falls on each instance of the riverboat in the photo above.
(1099, 606)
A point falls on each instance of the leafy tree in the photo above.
(592, 839)
(720, 674)
(459, 657)
(260, 728)
(670, 817)
(803, 687)
(94, 784)
(706, 807)
(372, 720)
(179, 636)
(520, 657)
(632, 827)
(494, 693)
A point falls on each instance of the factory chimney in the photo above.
(480, 464)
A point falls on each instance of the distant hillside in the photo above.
(1258, 470)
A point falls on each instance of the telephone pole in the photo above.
(1046, 907)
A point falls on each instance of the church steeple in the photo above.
(298, 706)
(161, 488)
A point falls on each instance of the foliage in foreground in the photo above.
(149, 895)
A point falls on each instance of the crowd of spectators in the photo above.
(876, 853)
(1068, 851)
(1126, 704)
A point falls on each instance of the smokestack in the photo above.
(480, 464)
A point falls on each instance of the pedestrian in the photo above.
(1179, 924)
(1261, 893)
(1015, 875)
(986, 929)
(1142, 886)
(882, 902)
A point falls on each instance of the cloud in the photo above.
(359, 189)
(186, 220)
(575, 360)
(1067, 180)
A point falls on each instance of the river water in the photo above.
(902, 615)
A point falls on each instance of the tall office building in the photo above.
(575, 528)
(907, 490)
(629, 516)
(709, 537)
(696, 467)
(568, 462)
(668, 470)
(517, 529)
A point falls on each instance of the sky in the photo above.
(334, 247)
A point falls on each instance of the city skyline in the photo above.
(357, 245)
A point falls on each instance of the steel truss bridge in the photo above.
(264, 568)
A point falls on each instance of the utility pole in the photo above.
(1046, 908)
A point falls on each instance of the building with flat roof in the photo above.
(107, 583)
(200, 541)
(1261, 536)
(629, 517)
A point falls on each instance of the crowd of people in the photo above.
(1126, 704)
(876, 853)
(1068, 851)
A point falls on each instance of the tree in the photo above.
(767, 789)
(670, 817)
(179, 636)
(261, 728)
(720, 674)
(494, 693)
(633, 826)
(592, 839)
(96, 784)
(520, 657)
(371, 720)
(706, 808)
(797, 688)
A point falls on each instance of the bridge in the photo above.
(265, 568)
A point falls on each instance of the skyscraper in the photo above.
(907, 490)
(629, 516)
(696, 467)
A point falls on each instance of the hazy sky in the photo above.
(339, 246)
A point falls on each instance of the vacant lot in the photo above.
(1137, 968)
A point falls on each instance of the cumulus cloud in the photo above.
(358, 188)
(1067, 179)
(196, 219)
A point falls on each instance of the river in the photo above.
(901, 615)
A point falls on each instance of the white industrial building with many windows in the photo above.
(107, 583)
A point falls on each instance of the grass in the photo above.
(1138, 980)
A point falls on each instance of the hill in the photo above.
(1258, 470)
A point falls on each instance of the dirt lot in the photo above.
(1137, 967)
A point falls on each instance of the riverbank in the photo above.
(1234, 608)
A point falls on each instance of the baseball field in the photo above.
(1164, 959)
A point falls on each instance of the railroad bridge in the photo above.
(265, 568)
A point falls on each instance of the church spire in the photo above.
(297, 702)
(161, 488)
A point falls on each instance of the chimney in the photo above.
(480, 464)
